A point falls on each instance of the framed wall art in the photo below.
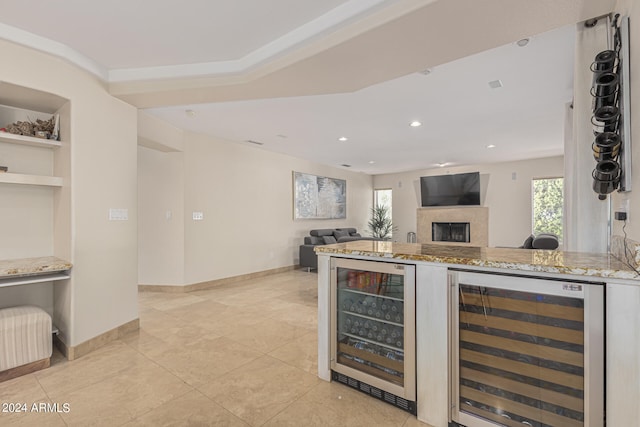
(318, 197)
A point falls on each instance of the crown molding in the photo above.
(54, 48)
(340, 17)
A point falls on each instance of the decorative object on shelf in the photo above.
(3, 169)
(42, 134)
(318, 197)
(55, 133)
(380, 223)
(611, 130)
(46, 129)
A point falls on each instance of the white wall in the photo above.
(508, 199)
(102, 292)
(161, 213)
(632, 198)
(246, 196)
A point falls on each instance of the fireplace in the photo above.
(475, 231)
(451, 232)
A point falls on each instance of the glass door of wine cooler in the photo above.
(373, 325)
(526, 352)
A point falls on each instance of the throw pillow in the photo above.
(315, 240)
(340, 233)
(328, 240)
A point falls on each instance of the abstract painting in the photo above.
(318, 197)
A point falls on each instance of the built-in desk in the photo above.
(434, 264)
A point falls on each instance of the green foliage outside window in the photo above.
(380, 224)
(548, 201)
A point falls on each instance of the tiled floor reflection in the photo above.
(238, 355)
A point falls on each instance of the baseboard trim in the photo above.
(19, 371)
(74, 352)
(201, 286)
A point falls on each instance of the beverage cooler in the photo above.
(373, 329)
(526, 351)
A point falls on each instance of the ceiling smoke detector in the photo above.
(495, 84)
(523, 42)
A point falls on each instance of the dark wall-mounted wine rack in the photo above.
(611, 144)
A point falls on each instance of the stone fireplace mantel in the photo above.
(476, 216)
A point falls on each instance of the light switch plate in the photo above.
(118, 214)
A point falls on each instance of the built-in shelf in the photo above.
(23, 179)
(16, 281)
(24, 271)
(28, 140)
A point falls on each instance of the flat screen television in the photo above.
(450, 190)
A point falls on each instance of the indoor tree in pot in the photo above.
(380, 224)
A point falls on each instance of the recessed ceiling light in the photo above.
(495, 84)
(251, 141)
(415, 124)
(281, 136)
(190, 113)
(442, 164)
(523, 42)
(371, 162)
(491, 146)
(346, 165)
(343, 138)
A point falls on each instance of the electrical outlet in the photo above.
(620, 216)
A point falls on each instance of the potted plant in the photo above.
(380, 224)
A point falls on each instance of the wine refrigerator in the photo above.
(373, 329)
(526, 351)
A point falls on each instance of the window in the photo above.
(382, 217)
(382, 198)
(547, 206)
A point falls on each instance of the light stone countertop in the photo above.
(531, 260)
(32, 266)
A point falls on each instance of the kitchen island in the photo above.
(603, 286)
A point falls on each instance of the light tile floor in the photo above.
(238, 355)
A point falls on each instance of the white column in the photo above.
(586, 221)
(324, 316)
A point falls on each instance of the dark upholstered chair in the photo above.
(541, 241)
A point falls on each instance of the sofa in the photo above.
(326, 236)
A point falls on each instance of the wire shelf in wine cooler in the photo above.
(375, 319)
(359, 292)
(370, 341)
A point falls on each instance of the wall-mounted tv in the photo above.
(450, 190)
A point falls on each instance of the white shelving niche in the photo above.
(35, 199)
